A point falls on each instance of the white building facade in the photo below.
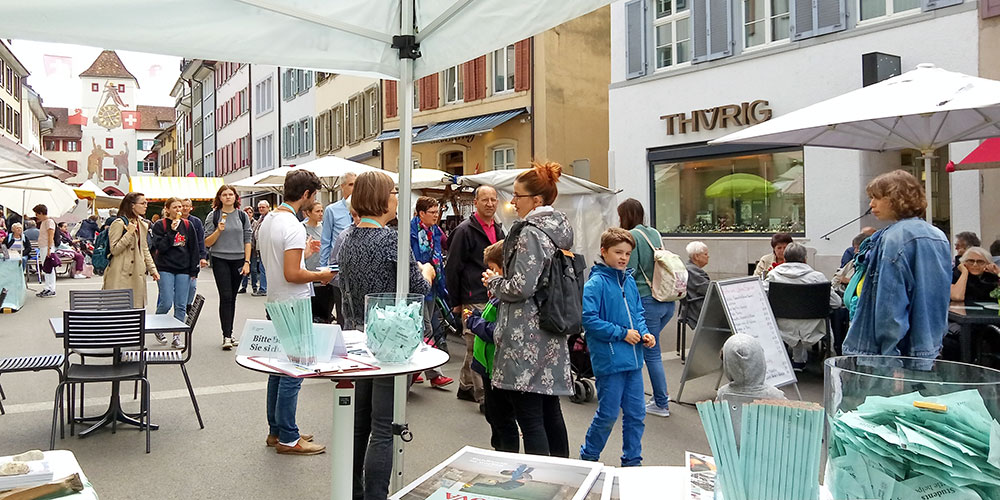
(295, 115)
(677, 85)
(232, 118)
(265, 127)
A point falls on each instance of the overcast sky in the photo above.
(54, 68)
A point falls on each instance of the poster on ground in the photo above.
(474, 473)
(701, 471)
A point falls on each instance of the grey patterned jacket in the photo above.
(529, 359)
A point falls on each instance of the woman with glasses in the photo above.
(130, 257)
(368, 265)
(975, 277)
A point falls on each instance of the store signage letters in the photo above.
(731, 115)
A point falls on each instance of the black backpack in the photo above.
(560, 293)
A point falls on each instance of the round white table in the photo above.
(342, 445)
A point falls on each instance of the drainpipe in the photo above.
(531, 116)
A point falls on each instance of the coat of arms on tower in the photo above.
(109, 114)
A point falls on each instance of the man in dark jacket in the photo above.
(464, 276)
(88, 229)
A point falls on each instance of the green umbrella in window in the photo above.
(742, 186)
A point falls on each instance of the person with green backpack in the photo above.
(497, 407)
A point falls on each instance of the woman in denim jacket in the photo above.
(903, 306)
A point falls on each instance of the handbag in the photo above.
(51, 262)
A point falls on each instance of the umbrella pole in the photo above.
(405, 100)
(928, 156)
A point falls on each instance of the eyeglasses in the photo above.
(976, 262)
(516, 196)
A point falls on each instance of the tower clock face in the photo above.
(109, 116)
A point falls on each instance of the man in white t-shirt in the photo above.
(282, 244)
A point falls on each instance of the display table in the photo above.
(155, 323)
(342, 442)
(979, 313)
(12, 278)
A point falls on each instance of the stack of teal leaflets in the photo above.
(779, 454)
(914, 447)
(292, 320)
(394, 330)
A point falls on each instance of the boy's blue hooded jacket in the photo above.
(611, 306)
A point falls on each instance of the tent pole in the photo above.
(928, 156)
(405, 100)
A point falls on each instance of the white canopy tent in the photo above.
(581, 200)
(21, 196)
(399, 39)
(922, 109)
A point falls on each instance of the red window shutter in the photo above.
(469, 79)
(429, 92)
(391, 98)
(989, 8)
(71, 166)
(522, 65)
(480, 77)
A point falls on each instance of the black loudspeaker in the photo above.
(876, 66)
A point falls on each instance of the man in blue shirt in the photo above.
(336, 218)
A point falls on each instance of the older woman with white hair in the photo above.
(975, 277)
(17, 245)
(698, 281)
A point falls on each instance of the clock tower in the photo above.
(109, 124)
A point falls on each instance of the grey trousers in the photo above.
(469, 379)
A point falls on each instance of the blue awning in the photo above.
(457, 128)
(391, 135)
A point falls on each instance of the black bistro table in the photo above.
(968, 315)
(155, 323)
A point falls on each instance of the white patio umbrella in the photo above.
(328, 168)
(90, 191)
(21, 196)
(252, 184)
(922, 109)
(398, 39)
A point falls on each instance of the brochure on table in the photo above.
(260, 344)
(39, 472)
(492, 475)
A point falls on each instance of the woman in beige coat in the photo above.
(130, 258)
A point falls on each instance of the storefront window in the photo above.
(762, 192)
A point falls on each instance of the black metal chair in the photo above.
(111, 329)
(802, 301)
(95, 300)
(175, 357)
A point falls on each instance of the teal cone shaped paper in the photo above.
(292, 320)
(394, 326)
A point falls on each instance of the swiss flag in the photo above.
(130, 119)
(77, 117)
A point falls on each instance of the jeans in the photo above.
(500, 415)
(618, 390)
(174, 289)
(193, 290)
(227, 279)
(657, 314)
(373, 438)
(541, 422)
(256, 270)
(282, 400)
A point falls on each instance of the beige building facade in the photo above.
(348, 117)
(544, 98)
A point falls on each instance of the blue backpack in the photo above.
(102, 249)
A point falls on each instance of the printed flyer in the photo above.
(477, 474)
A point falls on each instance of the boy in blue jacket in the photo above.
(614, 326)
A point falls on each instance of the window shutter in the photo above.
(712, 29)
(310, 134)
(429, 92)
(522, 65)
(392, 95)
(926, 5)
(989, 8)
(635, 38)
(469, 78)
(481, 77)
(811, 18)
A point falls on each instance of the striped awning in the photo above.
(456, 128)
(161, 188)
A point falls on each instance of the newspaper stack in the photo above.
(914, 447)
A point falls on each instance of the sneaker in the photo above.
(798, 367)
(242, 290)
(227, 343)
(79, 277)
(418, 378)
(46, 293)
(303, 447)
(653, 409)
(259, 293)
(161, 338)
(235, 341)
(272, 440)
(177, 343)
(440, 381)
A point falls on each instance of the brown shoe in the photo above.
(303, 447)
(272, 440)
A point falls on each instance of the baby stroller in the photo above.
(583, 373)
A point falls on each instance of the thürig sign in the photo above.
(731, 115)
